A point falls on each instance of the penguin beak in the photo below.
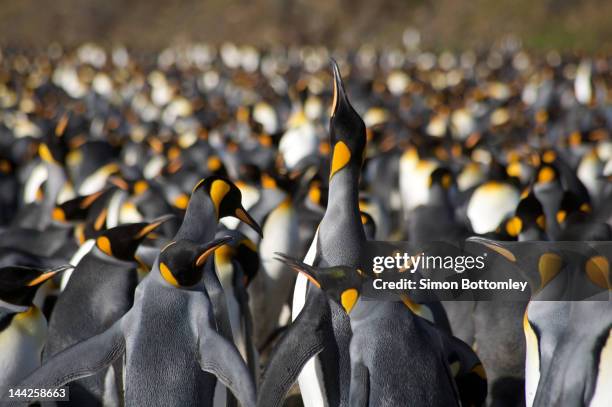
(244, 216)
(298, 267)
(155, 223)
(495, 246)
(119, 183)
(339, 93)
(48, 274)
(61, 125)
(210, 248)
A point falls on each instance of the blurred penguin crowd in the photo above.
(145, 200)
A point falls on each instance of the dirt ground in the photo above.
(453, 24)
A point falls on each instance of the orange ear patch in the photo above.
(340, 157)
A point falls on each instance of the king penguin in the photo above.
(212, 199)
(23, 327)
(325, 380)
(397, 357)
(166, 339)
(100, 291)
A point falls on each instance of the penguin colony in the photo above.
(184, 229)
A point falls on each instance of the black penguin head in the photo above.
(181, 262)
(247, 256)
(573, 206)
(369, 225)
(318, 193)
(226, 199)
(441, 177)
(122, 241)
(342, 284)
(347, 129)
(18, 284)
(529, 213)
(77, 208)
(243, 251)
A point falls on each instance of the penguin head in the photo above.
(247, 256)
(369, 225)
(441, 184)
(342, 284)
(244, 252)
(226, 199)
(529, 214)
(347, 129)
(181, 262)
(122, 241)
(18, 284)
(77, 208)
(573, 207)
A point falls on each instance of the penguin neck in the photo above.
(438, 196)
(343, 197)
(200, 221)
(532, 233)
(342, 221)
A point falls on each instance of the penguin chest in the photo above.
(404, 366)
(21, 344)
(161, 365)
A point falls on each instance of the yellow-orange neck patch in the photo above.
(598, 271)
(548, 266)
(348, 299)
(514, 226)
(340, 157)
(167, 275)
(218, 190)
(104, 244)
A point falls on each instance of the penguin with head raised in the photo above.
(99, 292)
(23, 327)
(167, 339)
(339, 240)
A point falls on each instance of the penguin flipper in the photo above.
(80, 360)
(305, 338)
(470, 377)
(360, 386)
(221, 358)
